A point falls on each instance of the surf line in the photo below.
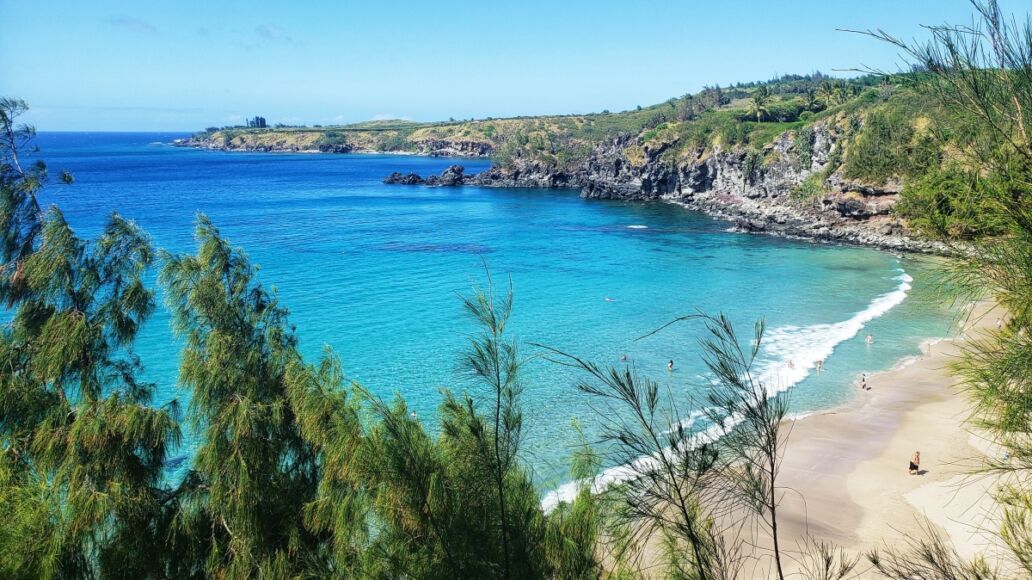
(806, 345)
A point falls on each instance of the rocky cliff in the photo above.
(342, 141)
(780, 191)
(790, 188)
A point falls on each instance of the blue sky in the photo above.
(121, 66)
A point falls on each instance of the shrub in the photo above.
(331, 138)
(752, 166)
(810, 189)
(951, 203)
(887, 145)
(785, 111)
(804, 147)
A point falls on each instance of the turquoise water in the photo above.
(374, 271)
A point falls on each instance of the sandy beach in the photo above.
(845, 477)
(845, 470)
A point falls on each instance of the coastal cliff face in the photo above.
(340, 141)
(781, 191)
(793, 185)
(789, 189)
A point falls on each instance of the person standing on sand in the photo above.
(915, 463)
(863, 382)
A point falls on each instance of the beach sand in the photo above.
(845, 470)
(845, 476)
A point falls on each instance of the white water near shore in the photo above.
(788, 356)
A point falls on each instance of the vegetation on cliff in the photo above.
(888, 131)
(747, 114)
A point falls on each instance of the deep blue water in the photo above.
(375, 272)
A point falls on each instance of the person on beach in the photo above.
(915, 463)
(869, 339)
(820, 365)
(670, 365)
(863, 382)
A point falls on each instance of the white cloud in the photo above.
(272, 34)
(134, 24)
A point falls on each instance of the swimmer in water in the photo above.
(869, 339)
(623, 358)
(670, 365)
(791, 364)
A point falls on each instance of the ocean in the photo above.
(376, 272)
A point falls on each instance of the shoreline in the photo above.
(844, 469)
(773, 215)
(190, 143)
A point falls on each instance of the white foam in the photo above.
(804, 346)
(568, 491)
(637, 227)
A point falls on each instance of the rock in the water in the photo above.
(402, 179)
(453, 175)
(759, 191)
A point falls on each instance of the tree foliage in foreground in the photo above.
(83, 450)
(982, 75)
(300, 474)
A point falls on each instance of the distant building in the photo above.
(256, 123)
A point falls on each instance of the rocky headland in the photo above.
(758, 194)
(804, 156)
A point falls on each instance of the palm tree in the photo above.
(826, 92)
(810, 100)
(760, 100)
